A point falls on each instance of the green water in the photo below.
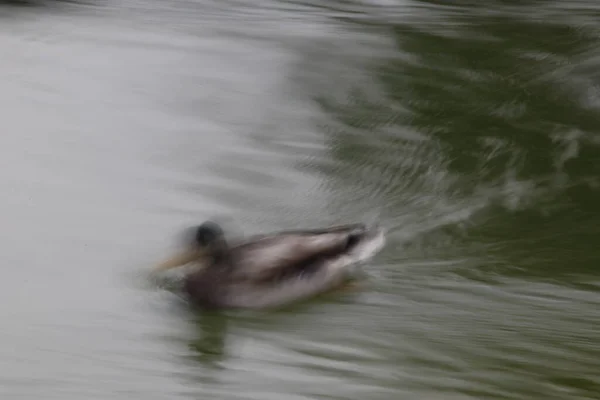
(470, 128)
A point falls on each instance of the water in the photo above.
(469, 128)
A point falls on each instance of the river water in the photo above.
(469, 128)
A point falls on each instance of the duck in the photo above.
(272, 270)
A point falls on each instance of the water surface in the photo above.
(470, 128)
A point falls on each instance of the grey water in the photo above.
(470, 129)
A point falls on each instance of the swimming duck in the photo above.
(274, 269)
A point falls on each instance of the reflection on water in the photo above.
(209, 347)
(469, 128)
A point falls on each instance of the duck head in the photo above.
(210, 239)
(208, 244)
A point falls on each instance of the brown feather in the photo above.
(271, 257)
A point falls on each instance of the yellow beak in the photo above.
(180, 260)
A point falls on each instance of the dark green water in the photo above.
(471, 128)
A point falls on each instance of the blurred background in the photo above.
(469, 128)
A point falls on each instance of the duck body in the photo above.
(273, 270)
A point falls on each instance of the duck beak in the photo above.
(180, 259)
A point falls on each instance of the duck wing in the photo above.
(270, 257)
